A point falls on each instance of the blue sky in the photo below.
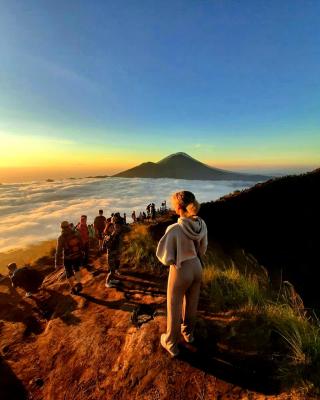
(235, 84)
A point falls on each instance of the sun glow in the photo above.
(35, 157)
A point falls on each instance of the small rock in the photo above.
(37, 382)
(5, 349)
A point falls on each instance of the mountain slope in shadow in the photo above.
(278, 223)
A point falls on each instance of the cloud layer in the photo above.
(32, 212)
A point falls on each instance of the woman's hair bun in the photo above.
(193, 208)
(186, 200)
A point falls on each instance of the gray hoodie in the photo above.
(183, 241)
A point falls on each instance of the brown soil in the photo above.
(55, 345)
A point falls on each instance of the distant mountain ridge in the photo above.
(182, 166)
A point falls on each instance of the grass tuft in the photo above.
(277, 322)
(140, 251)
(301, 337)
(229, 288)
(281, 314)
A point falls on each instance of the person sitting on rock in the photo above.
(113, 244)
(26, 278)
(69, 254)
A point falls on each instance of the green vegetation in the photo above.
(139, 251)
(301, 336)
(272, 323)
(282, 313)
(230, 289)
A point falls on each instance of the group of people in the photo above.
(181, 248)
(150, 213)
(74, 244)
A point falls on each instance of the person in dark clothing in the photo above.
(99, 225)
(148, 208)
(113, 243)
(117, 219)
(83, 230)
(153, 211)
(69, 254)
(26, 278)
(106, 233)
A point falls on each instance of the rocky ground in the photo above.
(55, 345)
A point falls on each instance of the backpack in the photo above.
(91, 231)
(110, 242)
(141, 314)
(73, 244)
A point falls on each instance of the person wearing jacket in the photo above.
(180, 248)
(25, 277)
(83, 230)
(69, 254)
(113, 244)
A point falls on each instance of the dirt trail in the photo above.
(59, 346)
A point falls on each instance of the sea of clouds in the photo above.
(32, 212)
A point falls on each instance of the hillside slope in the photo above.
(278, 222)
(59, 346)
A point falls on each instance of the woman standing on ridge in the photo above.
(180, 247)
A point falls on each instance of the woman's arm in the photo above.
(203, 242)
(167, 248)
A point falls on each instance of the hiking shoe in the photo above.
(110, 285)
(164, 345)
(74, 290)
(78, 287)
(188, 338)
